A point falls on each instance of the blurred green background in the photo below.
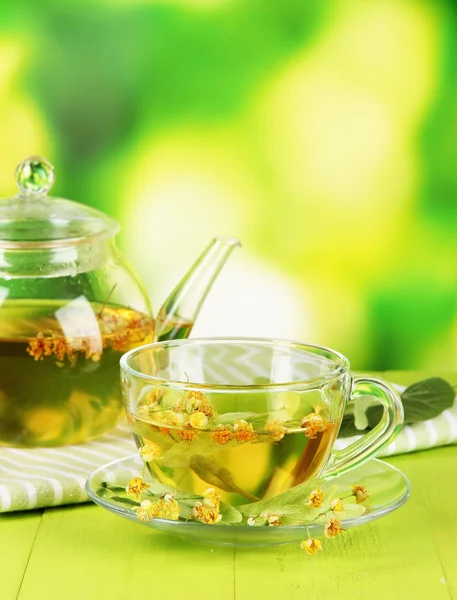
(322, 134)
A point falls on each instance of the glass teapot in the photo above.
(70, 306)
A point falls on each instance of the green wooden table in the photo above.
(77, 552)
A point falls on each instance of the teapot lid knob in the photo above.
(35, 175)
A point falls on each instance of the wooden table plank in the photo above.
(407, 554)
(435, 492)
(85, 552)
(17, 535)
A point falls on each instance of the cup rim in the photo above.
(342, 365)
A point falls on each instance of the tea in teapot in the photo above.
(70, 306)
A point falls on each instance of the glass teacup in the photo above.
(248, 417)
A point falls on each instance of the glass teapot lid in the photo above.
(32, 219)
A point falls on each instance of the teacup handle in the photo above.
(385, 431)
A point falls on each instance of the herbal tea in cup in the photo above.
(248, 417)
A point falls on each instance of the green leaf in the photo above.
(209, 470)
(123, 500)
(160, 489)
(427, 399)
(112, 487)
(296, 497)
(351, 511)
(423, 400)
(231, 416)
(180, 455)
(230, 514)
(96, 405)
(256, 419)
(102, 492)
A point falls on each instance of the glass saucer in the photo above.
(389, 489)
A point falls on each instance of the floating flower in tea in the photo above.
(243, 431)
(198, 420)
(150, 452)
(313, 424)
(276, 429)
(222, 435)
(188, 434)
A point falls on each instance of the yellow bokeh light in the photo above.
(23, 130)
(339, 125)
(183, 189)
(192, 4)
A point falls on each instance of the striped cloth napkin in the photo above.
(440, 431)
(43, 477)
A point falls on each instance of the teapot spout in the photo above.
(177, 316)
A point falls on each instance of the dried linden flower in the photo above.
(207, 515)
(205, 407)
(273, 519)
(136, 487)
(212, 499)
(188, 434)
(168, 417)
(222, 435)
(150, 452)
(128, 331)
(194, 401)
(167, 509)
(152, 397)
(337, 505)
(143, 411)
(244, 431)
(360, 492)
(146, 511)
(313, 424)
(316, 498)
(38, 347)
(189, 402)
(333, 528)
(311, 546)
(198, 420)
(61, 348)
(149, 402)
(276, 429)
